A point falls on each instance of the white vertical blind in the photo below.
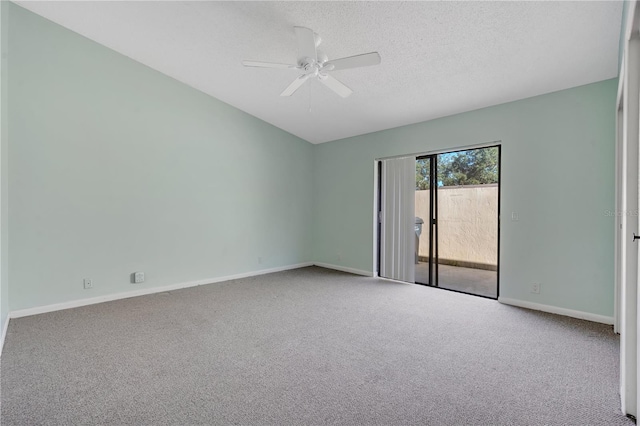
(397, 236)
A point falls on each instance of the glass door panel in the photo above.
(457, 210)
(423, 229)
(467, 221)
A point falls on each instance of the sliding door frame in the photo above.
(433, 218)
(432, 221)
(433, 155)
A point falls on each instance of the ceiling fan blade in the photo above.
(306, 43)
(364, 60)
(266, 64)
(295, 85)
(335, 85)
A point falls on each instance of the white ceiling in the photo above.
(438, 58)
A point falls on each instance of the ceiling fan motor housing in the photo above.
(312, 66)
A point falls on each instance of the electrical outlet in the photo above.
(260, 260)
(515, 216)
(138, 277)
(535, 288)
(88, 283)
(339, 256)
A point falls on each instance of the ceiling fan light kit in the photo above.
(315, 63)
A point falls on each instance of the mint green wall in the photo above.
(4, 169)
(116, 168)
(557, 173)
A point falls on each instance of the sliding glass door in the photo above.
(456, 221)
(426, 229)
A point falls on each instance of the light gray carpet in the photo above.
(309, 346)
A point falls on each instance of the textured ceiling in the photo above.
(438, 58)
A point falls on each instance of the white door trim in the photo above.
(627, 160)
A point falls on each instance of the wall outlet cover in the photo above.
(138, 277)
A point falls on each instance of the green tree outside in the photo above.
(470, 167)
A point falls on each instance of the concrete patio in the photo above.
(480, 282)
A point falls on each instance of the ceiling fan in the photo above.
(315, 64)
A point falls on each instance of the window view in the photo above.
(456, 224)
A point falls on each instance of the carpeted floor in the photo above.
(309, 346)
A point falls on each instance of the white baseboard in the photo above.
(142, 292)
(344, 269)
(5, 327)
(556, 310)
